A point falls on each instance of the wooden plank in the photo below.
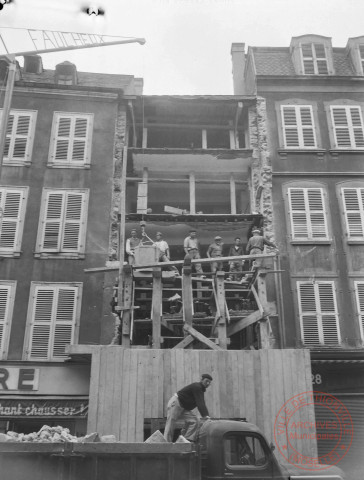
(124, 407)
(216, 384)
(201, 338)
(276, 387)
(244, 323)
(156, 307)
(180, 374)
(192, 194)
(250, 391)
(148, 375)
(235, 383)
(160, 383)
(124, 300)
(185, 342)
(102, 418)
(312, 450)
(289, 376)
(232, 195)
(229, 385)
(258, 389)
(167, 387)
(155, 383)
(139, 414)
(111, 364)
(173, 371)
(132, 395)
(94, 392)
(221, 325)
(187, 295)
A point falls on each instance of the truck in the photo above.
(225, 449)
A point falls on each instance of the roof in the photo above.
(128, 83)
(278, 61)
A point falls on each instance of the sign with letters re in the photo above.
(19, 379)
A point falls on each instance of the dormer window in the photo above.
(314, 59)
(361, 55)
(355, 51)
(66, 74)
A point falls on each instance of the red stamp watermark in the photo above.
(296, 431)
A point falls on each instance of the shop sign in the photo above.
(23, 379)
(43, 408)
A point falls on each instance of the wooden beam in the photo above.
(145, 137)
(156, 307)
(201, 338)
(171, 328)
(183, 125)
(221, 324)
(185, 342)
(243, 323)
(204, 138)
(232, 195)
(125, 295)
(192, 194)
(187, 295)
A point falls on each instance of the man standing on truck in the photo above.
(182, 403)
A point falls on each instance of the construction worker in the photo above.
(236, 266)
(182, 403)
(130, 246)
(215, 251)
(164, 251)
(191, 247)
(256, 244)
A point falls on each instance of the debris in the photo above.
(108, 439)
(156, 437)
(182, 439)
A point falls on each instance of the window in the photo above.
(353, 199)
(361, 55)
(62, 228)
(314, 59)
(359, 296)
(347, 122)
(19, 137)
(12, 210)
(244, 450)
(298, 127)
(71, 139)
(53, 319)
(307, 214)
(318, 313)
(7, 294)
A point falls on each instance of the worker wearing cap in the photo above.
(182, 403)
(163, 251)
(236, 266)
(255, 246)
(215, 251)
(191, 247)
(130, 246)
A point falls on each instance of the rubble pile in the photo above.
(54, 435)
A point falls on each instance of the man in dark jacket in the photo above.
(182, 403)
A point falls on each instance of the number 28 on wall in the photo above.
(316, 379)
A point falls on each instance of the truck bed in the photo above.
(98, 461)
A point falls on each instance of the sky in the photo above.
(188, 42)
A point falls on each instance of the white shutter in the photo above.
(72, 139)
(142, 198)
(5, 291)
(314, 59)
(347, 122)
(318, 313)
(12, 203)
(53, 321)
(361, 56)
(298, 126)
(307, 213)
(354, 211)
(359, 295)
(63, 224)
(19, 135)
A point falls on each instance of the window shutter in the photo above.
(348, 126)
(354, 211)
(318, 313)
(359, 293)
(321, 60)
(73, 217)
(298, 126)
(53, 321)
(307, 57)
(5, 291)
(19, 135)
(314, 59)
(73, 134)
(51, 237)
(308, 219)
(11, 202)
(361, 55)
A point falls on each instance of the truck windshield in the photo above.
(242, 449)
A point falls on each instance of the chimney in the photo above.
(66, 74)
(238, 61)
(33, 64)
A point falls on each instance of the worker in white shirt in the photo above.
(164, 255)
(131, 244)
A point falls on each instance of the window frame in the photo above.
(298, 126)
(318, 312)
(308, 214)
(10, 160)
(237, 467)
(69, 163)
(8, 316)
(47, 286)
(40, 251)
(350, 127)
(16, 251)
(359, 212)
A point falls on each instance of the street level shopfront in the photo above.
(33, 395)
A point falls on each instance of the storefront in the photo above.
(33, 395)
(344, 379)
